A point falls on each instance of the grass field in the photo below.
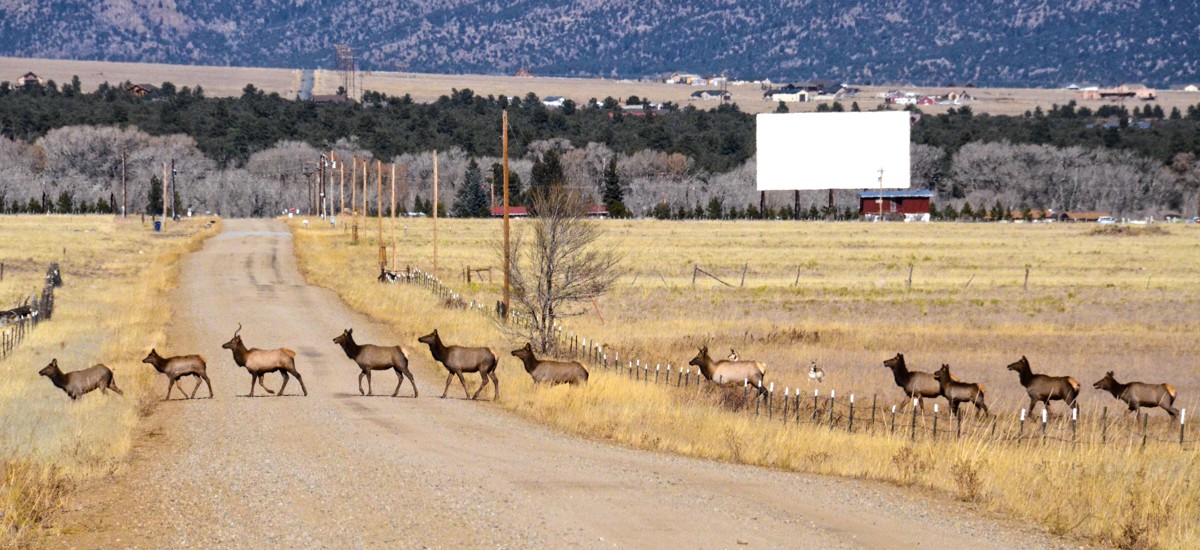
(229, 81)
(110, 310)
(839, 294)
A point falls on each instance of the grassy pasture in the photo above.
(110, 310)
(1094, 303)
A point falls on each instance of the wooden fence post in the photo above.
(913, 428)
(1182, 415)
(850, 427)
(1145, 422)
(1021, 427)
(832, 395)
(935, 417)
(1104, 426)
(1045, 417)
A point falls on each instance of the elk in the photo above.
(460, 359)
(916, 385)
(178, 367)
(370, 357)
(960, 392)
(262, 361)
(551, 372)
(1138, 394)
(729, 373)
(815, 373)
(1046, 388)
(80, 382)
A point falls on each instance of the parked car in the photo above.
(1106, 220)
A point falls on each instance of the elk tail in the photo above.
(1170, 391)
(1074, 383)
(982, 389)
(289, 352)
(202, 359)
(762, 367)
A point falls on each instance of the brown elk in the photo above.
(177, 367)
(371, 357)
(460, 359)
(551, 372)
(960, 392)
(730, 373)
(80, 382)
(916, 384)
(1138, 394)
(262, 361)
(1046, 388)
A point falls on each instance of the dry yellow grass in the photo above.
(1094, 303)
(111, 310)
(216, 81)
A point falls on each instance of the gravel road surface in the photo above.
(338, 470)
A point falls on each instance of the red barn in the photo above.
(905, 204)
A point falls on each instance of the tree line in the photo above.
(61, 150)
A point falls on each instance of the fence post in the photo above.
(1045, 417)
(935, 417)
(637, 372)
(745, 390)
(797, 405)
(668, 378)
(770, 401)
(1074, 423)
(631, 369)
(1182, 415)
(893, 420)
(657, 367)
(1104, 426)
(957, 426)
(1021, 427)
(646, 374)
(815, 393)
(850, 427)
(1145, 422)
(874, 398)
(913, 428)
(832, 395)
(757, 397)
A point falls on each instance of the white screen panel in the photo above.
(833, 150)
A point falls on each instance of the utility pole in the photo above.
(174, 211)
(124, 185)
(435, 213)
(164, 202)
(393, 216)
(504, 148)
(379, 212)
(342, 187)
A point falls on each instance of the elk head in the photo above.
(346, 336)
(943, 373)
(153, 357)
(1107, 383)
(700, 358)
(50, 369)
(234, 342)
(897, 361)
(430, 338)
(1020, 365)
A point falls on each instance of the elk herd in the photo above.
(457, 360)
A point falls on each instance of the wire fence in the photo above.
(842, 412)
(16, 323)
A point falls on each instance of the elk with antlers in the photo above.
(261, 361)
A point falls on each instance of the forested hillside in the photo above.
(256, 154)
(1003, 43)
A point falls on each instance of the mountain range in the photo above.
(1014, 43)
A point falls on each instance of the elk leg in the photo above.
(369, 390)
(305, 389)
(360, 377)
(399, 381)
(483, 377)
(411, 381)
(466, 392)
(449, 377)
(171, 386)
(495, 385)
(264, 386)
(112, 385)
(253, 379)
(196, 387)
(285, 381)
(207, 382)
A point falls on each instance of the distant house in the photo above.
(554, 101)
(1124, 91)
(787, 94)
(30, 80)
(523, 72)
(594, 211)
(1191, 88)
(335, 99)
(910, 205)
(143, 90)
(711, 95)
(927, 100)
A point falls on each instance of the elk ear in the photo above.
(1110, 373)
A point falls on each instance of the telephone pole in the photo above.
(124, 185)
(504, 149)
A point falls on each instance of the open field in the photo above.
(108, 311)
(1093, 303)
(229, 81)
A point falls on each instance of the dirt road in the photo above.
(335, 469)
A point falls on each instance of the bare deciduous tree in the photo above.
(560, 268)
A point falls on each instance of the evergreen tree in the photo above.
(714, 209)
(515, 196)
(782, 108)
(471, 200)
(65, 205)
(752, 212)
(662, 211)
(967, 212)
(154, 200)
(614, 196)
(35, 207)
(547, 171)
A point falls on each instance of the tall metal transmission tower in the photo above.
(348, 68)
